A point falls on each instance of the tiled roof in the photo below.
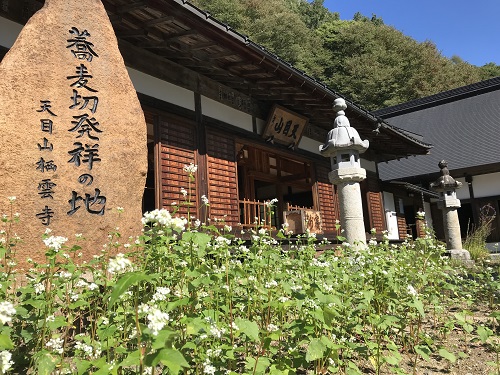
(463, 125)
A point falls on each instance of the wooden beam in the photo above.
(130, 7)
(158, 21)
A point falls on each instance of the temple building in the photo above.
(250, 122)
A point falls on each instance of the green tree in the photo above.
(489, 70)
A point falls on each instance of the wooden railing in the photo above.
(291, 207)
(256, 213)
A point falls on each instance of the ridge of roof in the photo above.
(440, 98)
(207, 17)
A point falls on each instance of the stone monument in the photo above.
(448, 203)
(343, 146)
(73, 134)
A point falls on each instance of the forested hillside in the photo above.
(373, 64)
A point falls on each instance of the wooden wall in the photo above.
(327, 199)
(222, 177)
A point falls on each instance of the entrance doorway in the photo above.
(264, 175)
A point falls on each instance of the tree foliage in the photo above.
(371, 63)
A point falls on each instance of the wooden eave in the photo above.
(177, 31)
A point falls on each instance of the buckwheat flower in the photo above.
(372, 242)
(234, 326)
(48, 231)
(55, 242)
(184, 192)
(272, 327)
(11, 199)
(74, 297)
(161, 293)
(283, 299)
(208, 368)
(191, 168)
(17, 215)
(411, 290)
(204, 200)
(119, 264)
(39, 288)
(87, 349)
(93, 286)
(7, 310)
(271, 284)
(178, 224)
(127, 245)
(157, 320)
(50, 318)
(56, 344)
(5, 361)
(120, 209)
(228, 228)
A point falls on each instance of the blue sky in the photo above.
(468, 29)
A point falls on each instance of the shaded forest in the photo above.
(371, 63)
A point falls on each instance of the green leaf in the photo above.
(250, 329)
(315, 350)
(125, 282)
(423, 350)
(171, 358)
(82, 366)
(45, 363)
(484, 333)
(447, 355)
(257, 366)
(6, 342)
(133, 359)
(160, 340)
(419, 306)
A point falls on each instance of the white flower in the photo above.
(184, 192)
(6, 311)
(157, 320)
(208, 368)
(191, 168)
(56, 344)
(271, 202)
(372, 242)
(55, 242)
(204, 200)
(119, 264)
(39, 288)
(11, 199)
(5, 362)
(412, 291)
(271, 284)
(120, 209)
(272, 327)
(161, 293)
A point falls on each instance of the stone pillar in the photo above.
(343, 146)
(448, 203)
(351, 207)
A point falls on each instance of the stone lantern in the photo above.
(343, 146)
(448, 202)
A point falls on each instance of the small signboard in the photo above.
(284, 126)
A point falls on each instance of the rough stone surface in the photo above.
(351, 214)
(459, 254)
(452, 229)
(48, 75)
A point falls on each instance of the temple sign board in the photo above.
(284, 126)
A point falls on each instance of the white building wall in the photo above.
(486, 185)
(308, 144)
(216, 110)
(162, 90)
(463, 192)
